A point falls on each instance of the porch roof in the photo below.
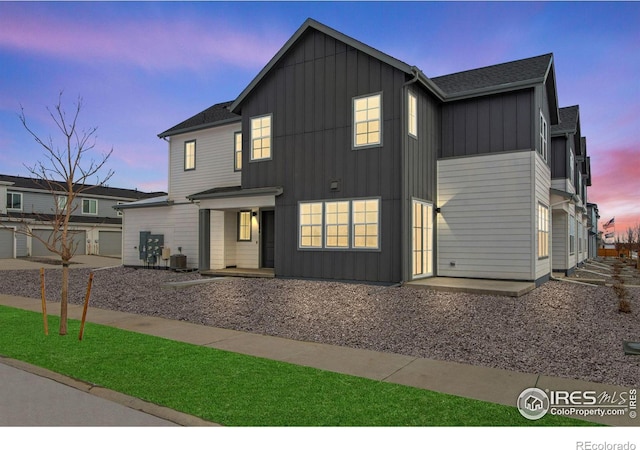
(234, 191)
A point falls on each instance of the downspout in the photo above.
(404, 221)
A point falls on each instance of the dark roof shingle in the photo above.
(520, 71)
(214, 115)
(568, 120)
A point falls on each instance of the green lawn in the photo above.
(238, 390)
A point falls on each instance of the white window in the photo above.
(89, 206)
(190, 155)
(336, 219)
(244, 226)
(543, 231)
(544, 137)
(365, 223)
(422, 238)
(572, 235)
(237, 151)
(367, 120)
(14, 201)
(61, 203)
(412, 114)
(343, 224)
(572, 167)
(311, 225)
(261, 138)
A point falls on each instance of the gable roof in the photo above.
(34, 183)
(215, 115)
(310, 23)
(569, 116)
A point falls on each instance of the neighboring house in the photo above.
(341, 162)
(571, 175)
(592, 224)
(96, 225)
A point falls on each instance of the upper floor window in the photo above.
(412, 114)
(544, 137)
(14, 201)
(572, 167)
(237, 151)
(61, 203)
(244, 226)
(261, 138)
(90, 206)
(367, 121)
(190, 155)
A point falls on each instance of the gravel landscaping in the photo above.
(560, 329)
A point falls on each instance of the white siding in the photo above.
(486, 220)
(178, 224)
(230, 238)
(214, 162)
(542, 185)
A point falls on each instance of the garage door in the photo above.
(6, 243)
(39, 249)
(110, 243)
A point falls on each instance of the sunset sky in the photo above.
(141, 68)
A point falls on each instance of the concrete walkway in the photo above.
(481, 383)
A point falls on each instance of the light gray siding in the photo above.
(214, 162)
(43, 203)
(542, 184)
(485, 228)
(178, 224)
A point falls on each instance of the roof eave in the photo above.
(204, 126)
(494, 89)
(276, 191)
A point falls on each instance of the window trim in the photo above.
(412, 119)
(323, 238)
(89, 200)
(251, 119)
(543, 230)
(338, 224)
(355, 146)
(427, 209)
(191, 141)
(544, 137)
(572, 235)
(239, 238)
(11, 193)
(62, 202)
(236, 151)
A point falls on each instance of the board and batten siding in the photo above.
(178, 224)
(486, 224)
(214, 162)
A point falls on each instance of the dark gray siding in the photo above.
(309, 93)
(559, 158)
(490, 124)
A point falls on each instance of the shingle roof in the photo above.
(568, 120)
(33, 183)
(217, 114)
(505, 74)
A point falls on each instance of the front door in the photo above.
(268, 239)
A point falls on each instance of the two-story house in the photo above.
(571, 175)
(26, 202)
(341, 162)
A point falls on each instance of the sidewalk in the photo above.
(481, 383)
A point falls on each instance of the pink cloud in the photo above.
(152, 45)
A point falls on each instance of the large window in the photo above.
(244, 226)
(336, 219)
(90, 206)
(190, 155)
(412, 114)
(572, 235)
(14, 201)
(261, 138)
(422, 238)
(343, 224)
(367, 121)
(237, 151)
(544, 137)
(543, 231)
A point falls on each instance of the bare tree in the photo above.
(65, 172)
